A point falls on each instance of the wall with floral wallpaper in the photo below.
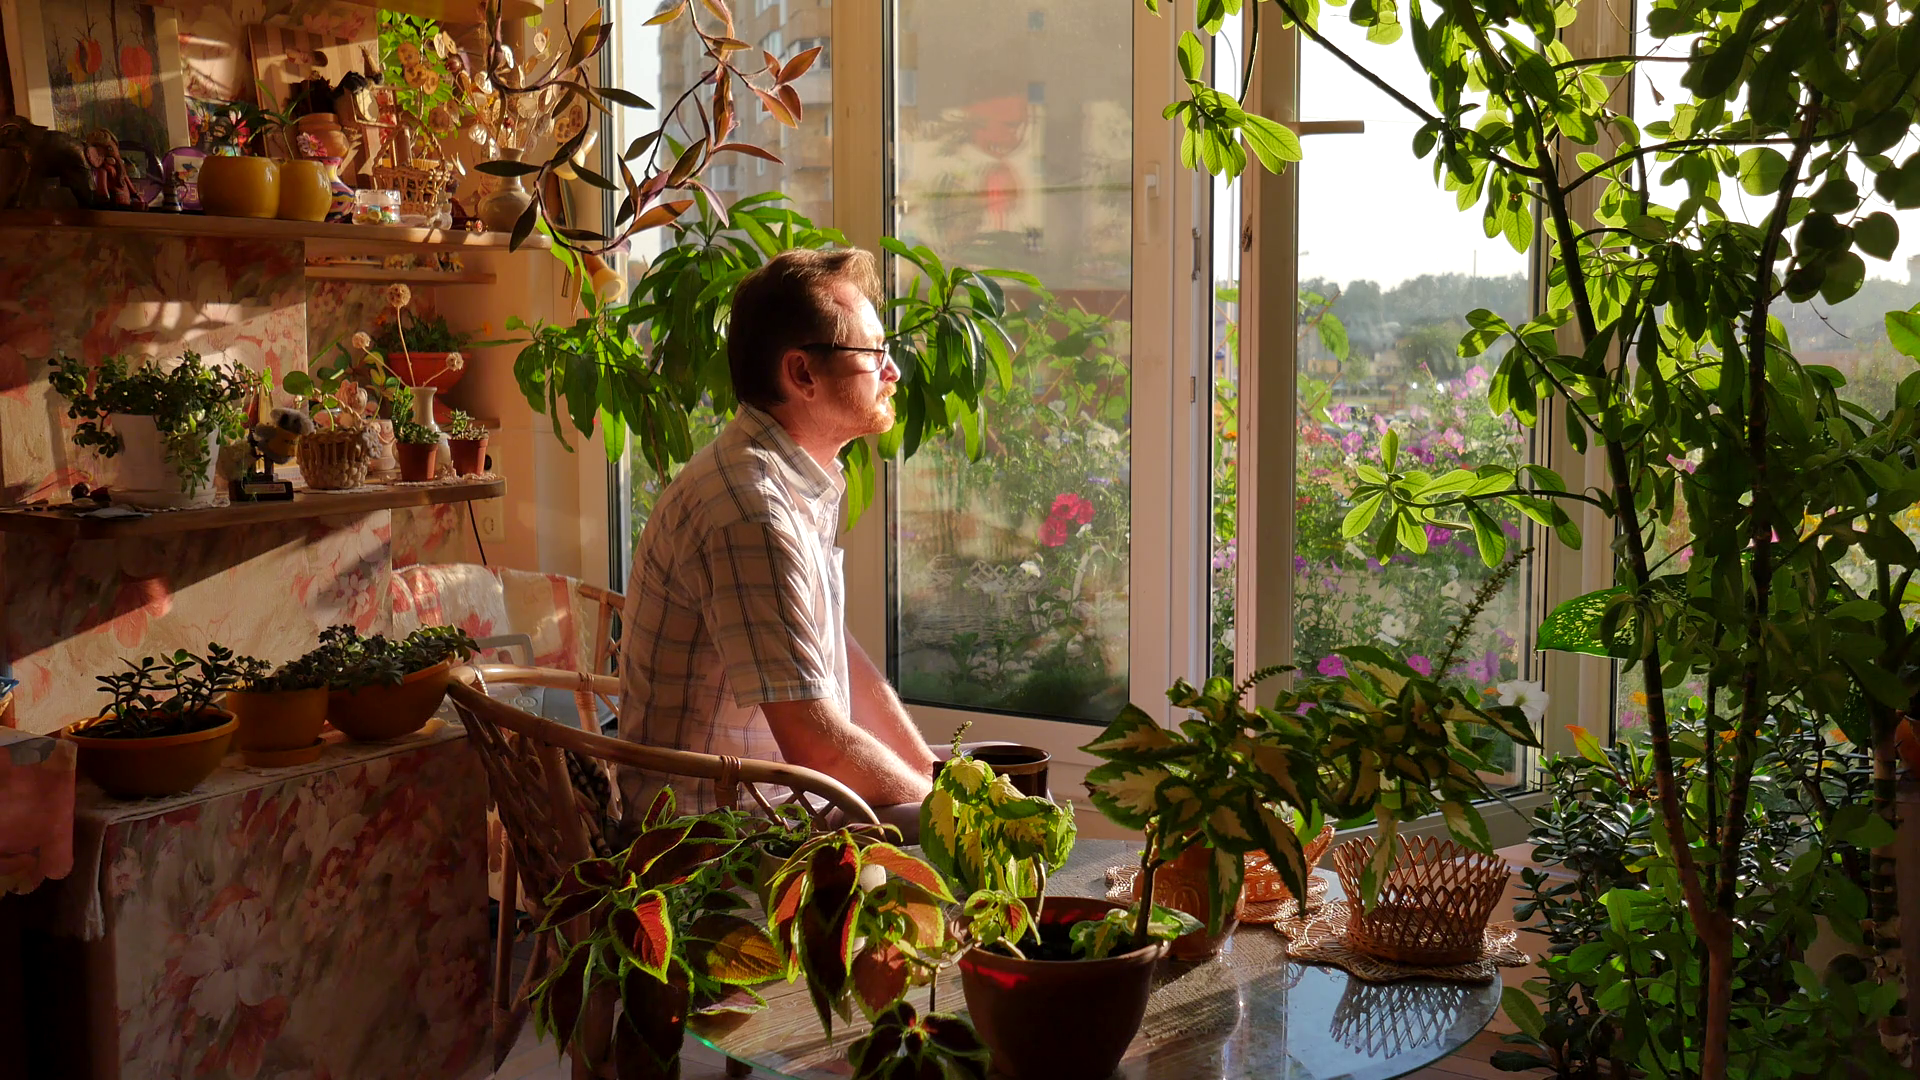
(68, 610)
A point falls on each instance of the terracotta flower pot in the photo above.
(1059, 1019)
(1182, 884)
(469, 456)
(278, 719)
(145, 768)
(376, 713)
(426, 369)
(416, 460)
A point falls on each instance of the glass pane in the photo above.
(1013, 148)
(659, 63)
(1388, 267)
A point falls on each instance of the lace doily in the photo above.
(1320, 938)
(1120, 881)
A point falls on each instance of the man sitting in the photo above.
(736, 639)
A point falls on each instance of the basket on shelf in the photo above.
(1263, 885)
(1433, 908)
(334, 459)
(423, 185)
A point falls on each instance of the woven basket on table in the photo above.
(334, 459)
(1433, 908)
(1263, 884)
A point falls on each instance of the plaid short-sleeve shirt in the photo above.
(736, 598)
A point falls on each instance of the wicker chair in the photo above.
(547, 821)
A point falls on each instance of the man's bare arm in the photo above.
(816, 735)
(879, 710)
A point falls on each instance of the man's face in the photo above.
(857, 386)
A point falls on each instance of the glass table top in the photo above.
(1248, 1012)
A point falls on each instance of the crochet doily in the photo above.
(1321, 938)
(1120, 881)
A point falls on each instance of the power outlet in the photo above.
(489, 514)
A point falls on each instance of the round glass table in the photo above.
(1249, 1012)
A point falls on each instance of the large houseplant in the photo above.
(162, 731)
(168, 421)
(1659, 349)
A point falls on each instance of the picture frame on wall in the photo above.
(84, 65)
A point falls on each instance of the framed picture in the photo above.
(84, 65)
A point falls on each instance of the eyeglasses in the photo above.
(879, 351)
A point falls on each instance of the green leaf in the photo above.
(1903, 332)
(1192, 55)
(1761, 170)
(1575, 626)
(1519, 1007)
(1873, 833)
(1133, 737)
(1126, 793)
(1877, 234)
(1361, 516)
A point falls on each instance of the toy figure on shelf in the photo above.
(111, 184)
(40, 167)
(273, 442)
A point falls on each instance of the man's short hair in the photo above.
(788, 303)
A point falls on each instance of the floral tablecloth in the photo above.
(36, 809)
(326, 921)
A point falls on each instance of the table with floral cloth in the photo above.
(325, 921)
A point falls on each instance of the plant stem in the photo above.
(1143, 893)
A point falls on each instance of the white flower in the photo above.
(455, 361)
(872, 876)
(1392, 628)
(1031, 567)
(1528, 696)
(1453, 590)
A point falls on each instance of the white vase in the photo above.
(144, 477)
(423, 415)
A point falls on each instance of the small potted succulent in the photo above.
(167, 424)
(382, 689)
(467, 440)
(281, 710)
(162, 731)
(418, 448)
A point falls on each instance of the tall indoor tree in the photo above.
(1658, 346)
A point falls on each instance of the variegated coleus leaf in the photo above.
(1134, 737)
(1127, 793)
(643, 934)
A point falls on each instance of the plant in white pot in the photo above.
(166, 423)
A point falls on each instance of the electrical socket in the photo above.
(489, 514)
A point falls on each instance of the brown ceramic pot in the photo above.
(1182, 884)
(469, 456)
(278, 719)
(375, 713)
(1059, 1019)
(145, 768)
(416, 460)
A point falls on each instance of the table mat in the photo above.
(1320, 938)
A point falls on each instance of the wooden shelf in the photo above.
(376, 275)
(332, 237)
(305, 504)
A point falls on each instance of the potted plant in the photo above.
(162, 731)
(280, 710)
(383, 689)
(244, 184)
(656, 934)
(467, 443)
(418, 448)
(168, 422)
(1380, 741)
(423, 352)
(1054, 986)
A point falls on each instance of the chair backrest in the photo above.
(546, 823)
(606, 654)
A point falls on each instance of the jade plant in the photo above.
(173, 694)
(188, 402)
(350, 661)
(257, 676)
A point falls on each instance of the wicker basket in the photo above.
(423, 186)
(1433, 908)
(1263, 884)
(335, 459)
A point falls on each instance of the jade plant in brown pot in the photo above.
(280, 710)
(379, 688)
(162, 731)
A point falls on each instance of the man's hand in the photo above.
(815, 734)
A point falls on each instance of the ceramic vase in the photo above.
(500, 210)
(144, 477)
(240, 186)
(306, 191)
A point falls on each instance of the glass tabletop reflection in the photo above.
(1249, 1012)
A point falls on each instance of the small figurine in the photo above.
(51, 158)
(273, 443)
(111, 184)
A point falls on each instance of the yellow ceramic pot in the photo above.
(306, 191)
(240, 186)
